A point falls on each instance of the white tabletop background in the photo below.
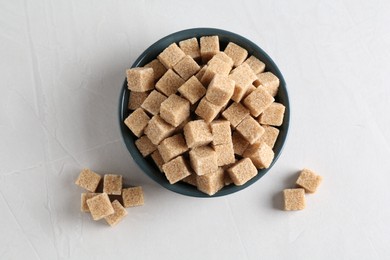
(62, 64)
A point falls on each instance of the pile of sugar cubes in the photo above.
(106, 204)
(308, 181)
(206, 117)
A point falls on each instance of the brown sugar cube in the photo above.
(179, 128)
(270, 82)
(237, 53)
(152, 103)
(269, 136)
(175, 110)
(137, 121)
(222, 56)
(158, 68)
(132, 197)
(309, 180)
(176, 169)
(250, 129)
(201, 72)
(209, 46)
(235, 113)
(119, 213)
(203, 160)
(256, 65)
(250, 89)
(136, 99)
(207, 110)
(88, 180)
(170, 56)
(191, 179)
(145, 146)
(140, 79)
(221, 132)
(84, 197)
(197, 133)
(239, 143)
(172, 146)
(225, 154)
(158, 160)
(186, 67)
(243, 77)
(260, 154)
(112, 184)
(157, 129)
(242, 171)
(169, 83)
(273, 115)
(220, 90)
(258, 101)
(294, 199)
(211, 183)
(215, 66)
(100, 206)
(192, 90)
(190, 47)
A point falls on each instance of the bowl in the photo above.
(146, 164)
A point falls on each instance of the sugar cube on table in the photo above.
(132, 197)
(112, 184)
(309, 180)
(84, 197)
(294, 199)
(100, 206)
(119, 213)
(88, 180)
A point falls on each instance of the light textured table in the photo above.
(62, 66)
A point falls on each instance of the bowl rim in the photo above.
(129, 140)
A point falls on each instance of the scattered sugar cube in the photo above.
(152, 103)
(132, 197)
(157, 129)
(203, 160)
(270, 82)
(145, 146)
(222, 56)
(269, 136)
(255, 64)
(158, 160)
(235, 113)
(158, 68)
(119, 213)
(212, 182)
(220, 90)
(197, 133)
(84, 197)
(186, 67)
(239, 143)
(225, 154)
(192, 90)
(88, 180)
(136, 99)
(243, 77)
(190, 47)
(100, 206)
(172, 146)
(207, 110)
(169, 83)
(260, 154)
(201, 72)
(237, 53)
(170, 56)
(176, 169)
(215, 66)
(209, 46)
(221, 132)
(140, 79)
(191, 179)
(250, 129)
(175, 110)
(258, 101)
(309, 180)
(294, 199)
(112, 184)
(137, 121)
(242, 171)
(273, 115)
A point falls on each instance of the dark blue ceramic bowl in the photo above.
(146, 164)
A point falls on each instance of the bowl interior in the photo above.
(147, 164)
